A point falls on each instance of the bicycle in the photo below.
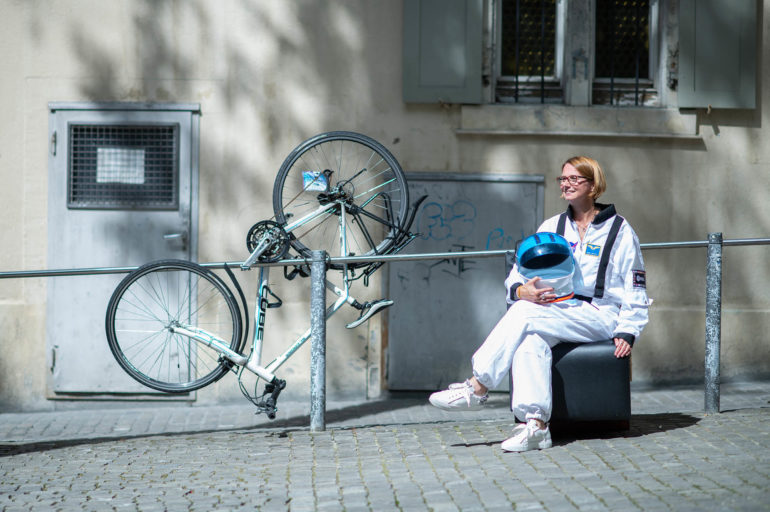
(175, 326)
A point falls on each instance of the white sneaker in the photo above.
(518, 428)
(531, 437)
(459, 396)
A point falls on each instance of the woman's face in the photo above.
(576, 187)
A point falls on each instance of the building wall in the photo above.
(270, 74)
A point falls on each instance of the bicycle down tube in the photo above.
(253, 361)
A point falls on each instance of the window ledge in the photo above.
(567, 121)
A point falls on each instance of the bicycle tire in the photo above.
(144, 306)
(360, 169)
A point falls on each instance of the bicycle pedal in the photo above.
(370, 309)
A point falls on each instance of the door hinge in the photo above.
(53, 143)
(53, 358)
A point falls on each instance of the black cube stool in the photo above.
(589, 384)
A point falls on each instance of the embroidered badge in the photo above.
(640, 279)
(593, 250)
(573, 246)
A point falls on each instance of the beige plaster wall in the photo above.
(270, 74)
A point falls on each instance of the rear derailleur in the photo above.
(267, 403)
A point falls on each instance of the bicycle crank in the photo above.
(272, 237)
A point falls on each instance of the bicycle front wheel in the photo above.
(341, 170)
(146, 307)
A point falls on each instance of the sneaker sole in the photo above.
(542, 445)
(462, 407)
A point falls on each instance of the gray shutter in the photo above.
(717, 49)
(442, 51)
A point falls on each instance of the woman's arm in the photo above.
(630, 283)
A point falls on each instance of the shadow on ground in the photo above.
(564, 433)
(640, 425)
(395, 402)
(283, 426)
(375, 413)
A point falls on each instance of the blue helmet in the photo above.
(548, 256)
(543, 250)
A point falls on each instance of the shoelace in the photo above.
(466, 389)
(530, 431)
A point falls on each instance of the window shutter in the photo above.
(717, 48)
(442, 51)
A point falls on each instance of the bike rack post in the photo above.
(713, 321)
(318, 341)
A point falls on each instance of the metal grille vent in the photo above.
(123, 167)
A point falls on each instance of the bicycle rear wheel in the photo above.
(146, 306)
(341, 170)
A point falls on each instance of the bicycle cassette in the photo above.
(274, 237)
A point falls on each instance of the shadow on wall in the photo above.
(267, 74)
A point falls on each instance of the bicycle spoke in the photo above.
(145, 308)
(374, 188)
(362, 170)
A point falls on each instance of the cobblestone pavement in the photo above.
(395, 454)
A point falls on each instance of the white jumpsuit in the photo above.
(522, 340)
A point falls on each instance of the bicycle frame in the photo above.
(253, 360)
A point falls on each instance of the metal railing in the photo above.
(319, 263)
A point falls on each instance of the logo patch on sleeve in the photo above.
(593, 250)
(640, 279)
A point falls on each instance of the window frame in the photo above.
(651, 84)
(559, 43)
(563, 76)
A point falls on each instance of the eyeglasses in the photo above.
(573, 180)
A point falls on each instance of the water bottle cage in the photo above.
(278, 302)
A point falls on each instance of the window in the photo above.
(623, 66)
(580, 53)
(532, 44)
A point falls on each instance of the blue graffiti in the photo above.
(497, 239)
(444, 221)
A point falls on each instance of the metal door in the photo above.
(444, 309)
(121, 193)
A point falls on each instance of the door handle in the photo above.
(180, 237)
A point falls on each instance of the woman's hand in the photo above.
(530, 292)
(622, 348)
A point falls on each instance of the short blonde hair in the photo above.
(589, 168)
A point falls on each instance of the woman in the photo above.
(610, 302)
